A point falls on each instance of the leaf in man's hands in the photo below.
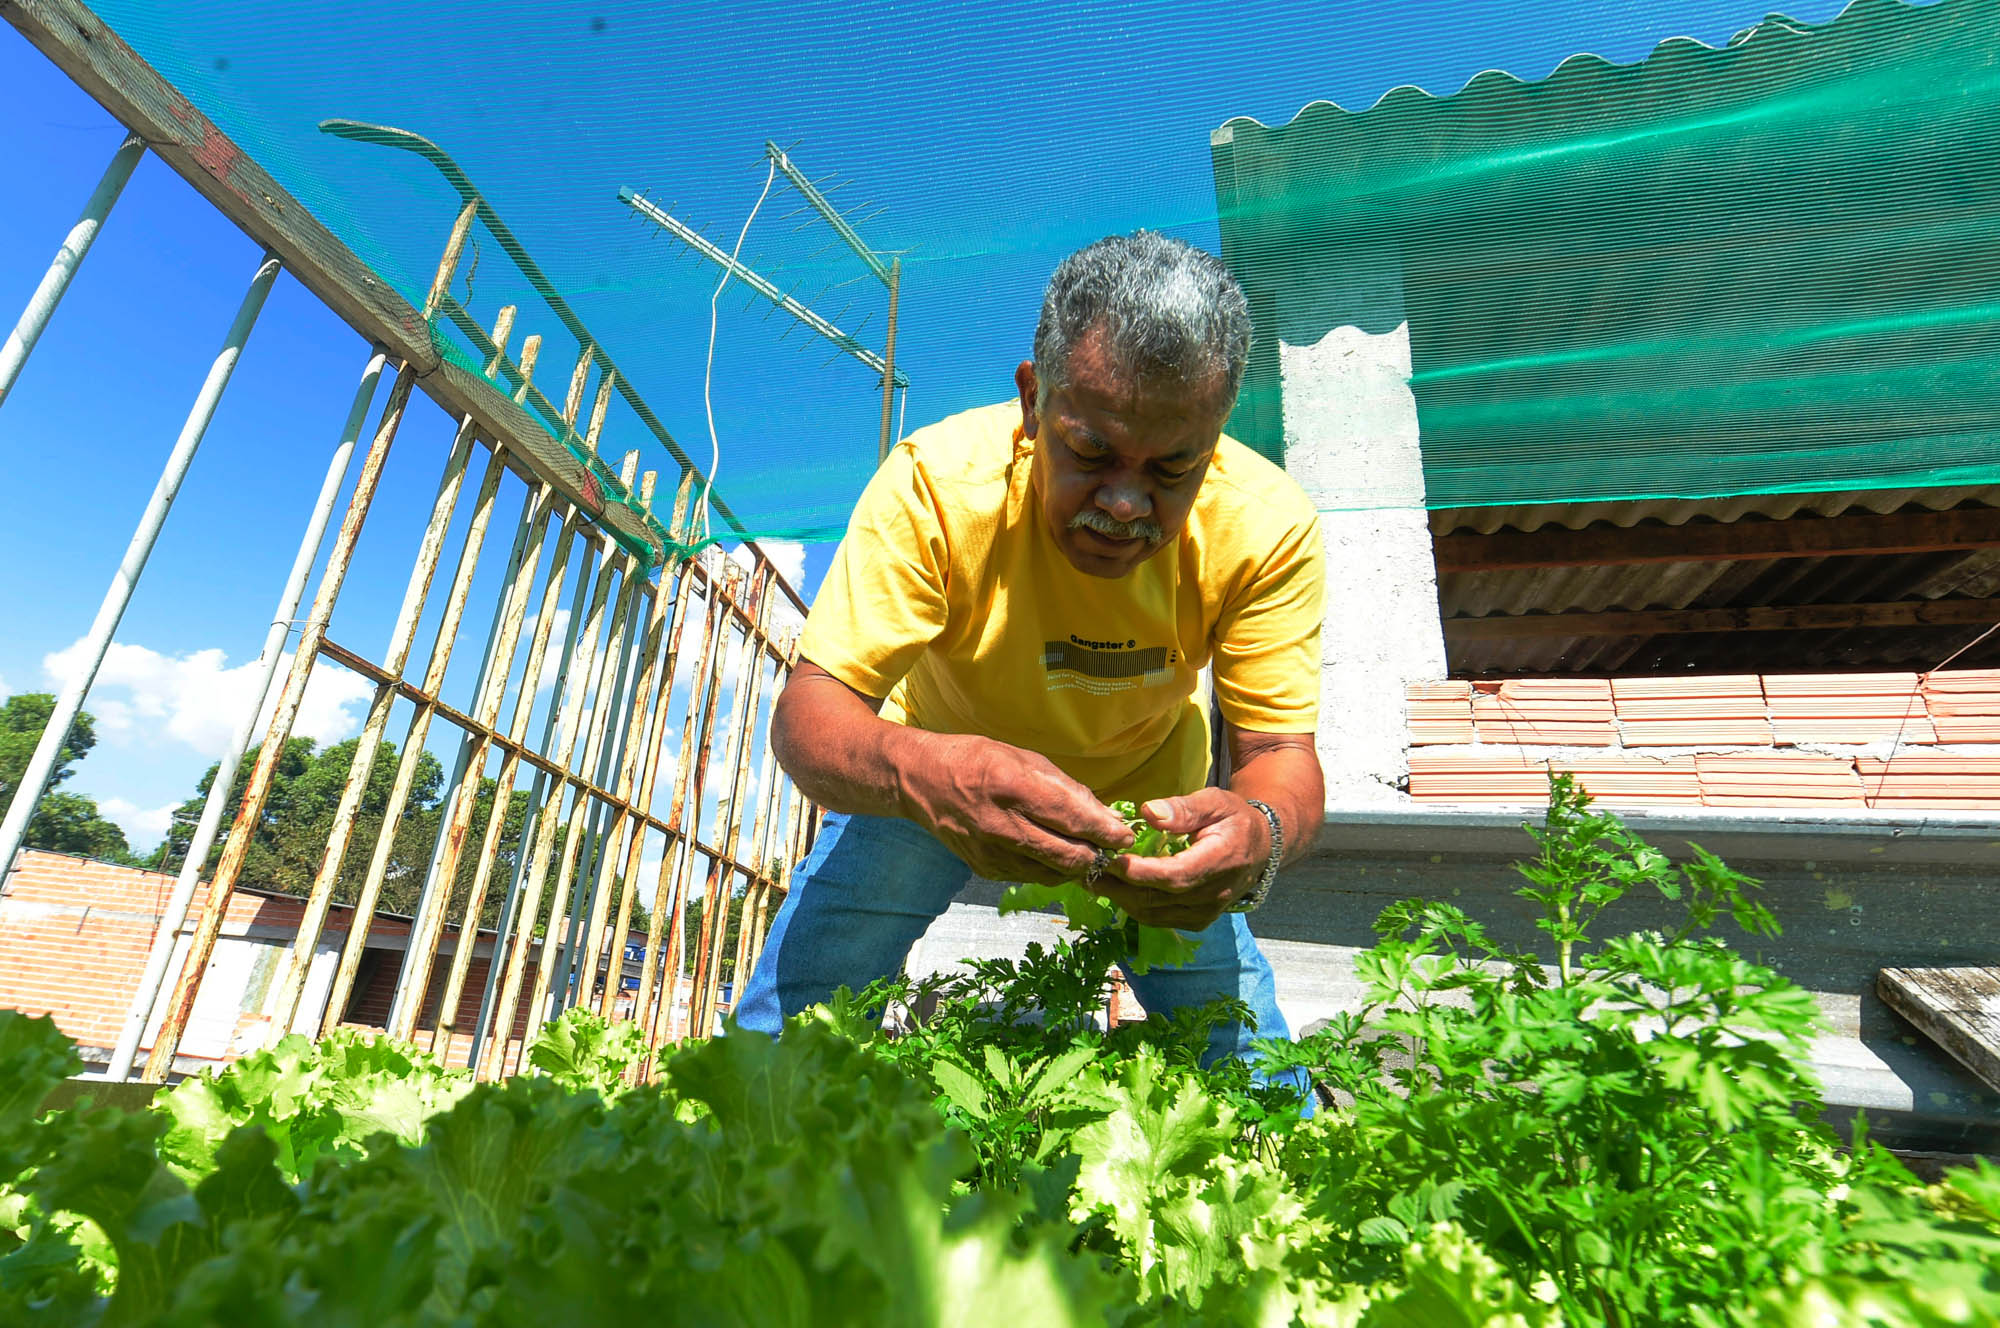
(1159, 947)
(1147, 948)
(1084, 909)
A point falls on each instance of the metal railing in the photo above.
(628, 663)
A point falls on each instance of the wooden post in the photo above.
(721, 880)
(889, 364)
(689, 776)
(489, 850)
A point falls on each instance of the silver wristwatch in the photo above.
(1256, 893)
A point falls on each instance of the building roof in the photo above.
(1963, 579)
(1761, 268)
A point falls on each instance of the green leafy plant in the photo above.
(1618, 1131)
(1633, 1122)
(579, 1050)
(1142, 947)
(314, 1100)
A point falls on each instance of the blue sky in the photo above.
(997, 137)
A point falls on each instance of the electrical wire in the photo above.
(1962, 649)
(1896, 744)
(708, 369)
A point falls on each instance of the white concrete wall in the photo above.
(1351, 442)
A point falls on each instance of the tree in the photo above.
(22, 719)
(63, 822)
(70, 823)
(289, 845)
(290, 840)
(504, 859)
(732, 927)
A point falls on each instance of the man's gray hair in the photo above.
(1170, 313)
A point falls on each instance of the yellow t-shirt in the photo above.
(950, 599)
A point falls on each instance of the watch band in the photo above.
(1255, 895)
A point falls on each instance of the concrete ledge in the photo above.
(1970, 839)
(101, 1093)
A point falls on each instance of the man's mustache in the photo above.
(1091, 518)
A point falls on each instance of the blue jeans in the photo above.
(872, 885)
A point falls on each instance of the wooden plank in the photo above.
(499, 416)
(1797, 537)
(1666, 622)
(85, 47)
(90, 52)
(1957, 1008)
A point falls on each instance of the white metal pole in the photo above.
(75, 245)
(140, 1012)
(34, 780)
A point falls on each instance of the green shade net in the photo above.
(1764, 268)
(1757, 258)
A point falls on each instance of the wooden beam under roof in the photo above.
(1665, 622)
(1796, 537)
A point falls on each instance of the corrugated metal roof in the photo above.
(1679, 511)
(1760, 268)
(1973, 574)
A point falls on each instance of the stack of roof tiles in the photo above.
(1920, 741)
(1964, 707)
(1848, 708)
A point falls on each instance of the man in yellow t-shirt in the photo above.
(1014, 633)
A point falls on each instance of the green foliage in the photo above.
(732, 929)
(23, 716)
(313, 1100)
(1633, 1123)
(63, 822)
(580, 1051)
(71, 823)
(1142, 947)
(1616, 1133)
(290, 841)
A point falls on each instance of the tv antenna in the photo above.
(889, 271)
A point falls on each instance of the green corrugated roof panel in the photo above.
(1767, 267)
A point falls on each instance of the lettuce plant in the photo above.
(1613, 1130)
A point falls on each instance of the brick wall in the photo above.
(74, 934)
(1885, 740)
(375, 991)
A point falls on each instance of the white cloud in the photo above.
(5, 690)
(335, 704)
(789, 557)
(142, 825)
(649, 880)
(197, 699)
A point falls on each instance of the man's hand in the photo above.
(1229, 843)
(1010, 814)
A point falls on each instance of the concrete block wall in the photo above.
(1351, 442)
